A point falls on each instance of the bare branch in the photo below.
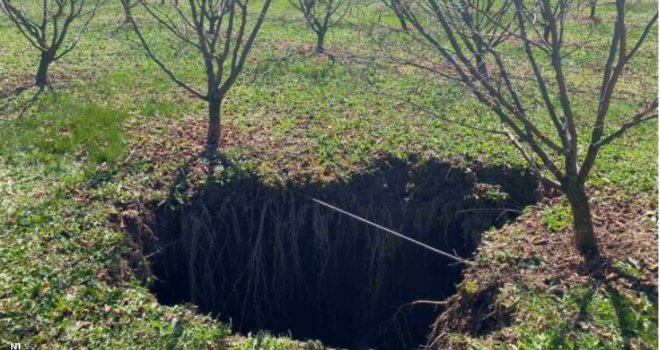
(50, 31)
(649, 113)
(220, 33)
(321, 15)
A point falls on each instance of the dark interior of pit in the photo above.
(268, 258)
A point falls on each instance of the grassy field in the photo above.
(73, 161)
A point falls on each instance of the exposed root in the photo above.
(472, 310)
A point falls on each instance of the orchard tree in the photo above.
(491, 18)
(393, 5)
(221, 32)
(127, 6)
(531, 93)
(53, 27)
(321, 15)
(592, 8)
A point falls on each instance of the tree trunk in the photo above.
(214, 131)
(546, 32)
(41, 79)
(127, 14)
(320, 41)
(481, 63)
(592, 13)
(402, 21)
(583, 228)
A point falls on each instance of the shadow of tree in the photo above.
(625, 310)
(625, 319)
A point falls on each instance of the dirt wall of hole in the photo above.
(264, 257)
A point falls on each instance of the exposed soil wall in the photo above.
(265, 257)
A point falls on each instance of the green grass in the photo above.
(557, 218)
(62, 128)
(57, 247)
(580, 312)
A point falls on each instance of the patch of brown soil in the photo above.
(11, 85)
(165, 148)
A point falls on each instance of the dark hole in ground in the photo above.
(267, 258)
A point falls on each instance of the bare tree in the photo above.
(393, 5)
(127, 6)
(552, 148)
(46, 24)
(219, 31)
(321, 15)
(493, 21)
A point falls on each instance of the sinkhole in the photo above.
(263, 257)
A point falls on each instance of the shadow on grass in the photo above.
(624, 316)
(629, 315)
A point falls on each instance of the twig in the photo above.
(424, 245)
